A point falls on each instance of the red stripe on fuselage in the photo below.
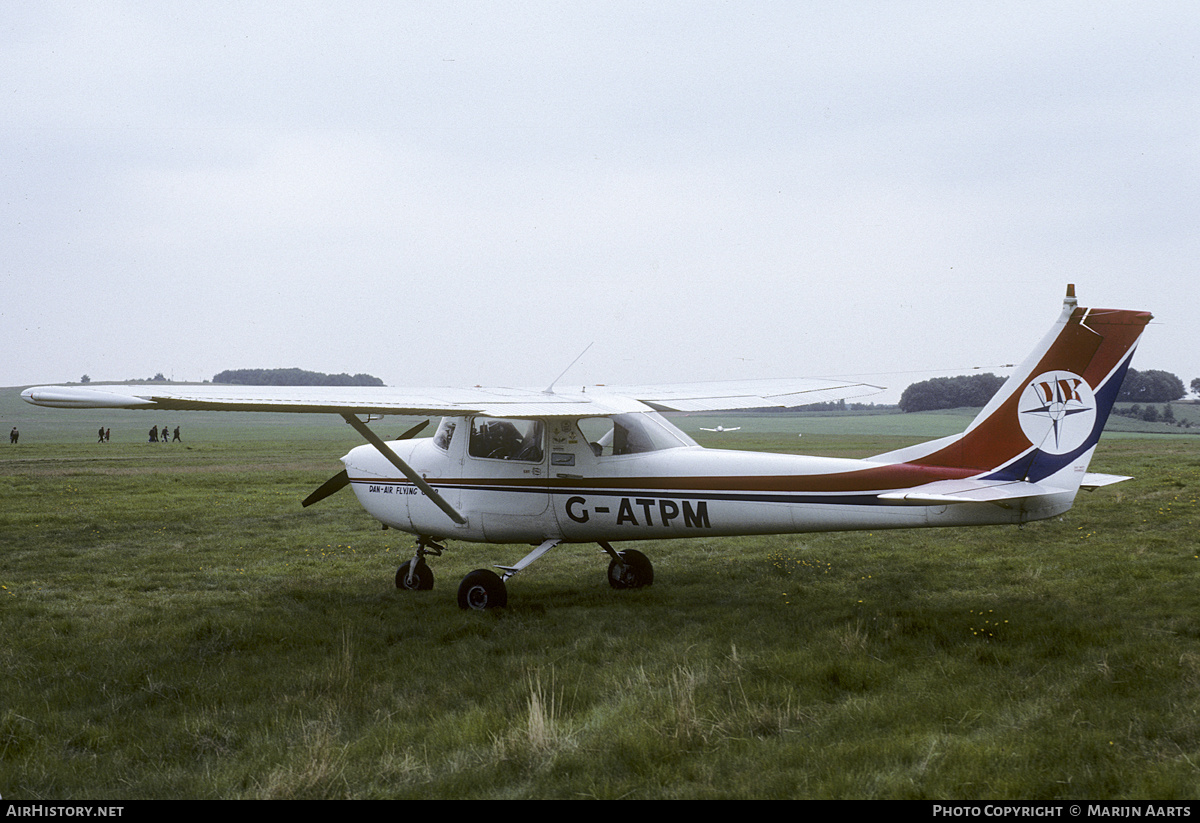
(871, 479)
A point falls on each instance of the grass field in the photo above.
(176, 626)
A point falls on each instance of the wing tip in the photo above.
(68, 397)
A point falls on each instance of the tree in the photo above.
(950, 392)
(1150, 386)
(1196, 386)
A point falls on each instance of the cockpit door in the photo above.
(504, 476)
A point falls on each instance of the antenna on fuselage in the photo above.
(550, 389)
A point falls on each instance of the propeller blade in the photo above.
(414, 431)
(341, 479)
(327, 488)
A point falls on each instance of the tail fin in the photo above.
(1044, 423)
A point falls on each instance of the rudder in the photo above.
(1046, 419)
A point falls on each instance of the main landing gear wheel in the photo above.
(482, 589)
(632, 571)
(420, 579)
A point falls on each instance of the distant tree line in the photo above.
(1150, 386)
(292, 377)
(950, 392)
(830, 406)
(157, 378)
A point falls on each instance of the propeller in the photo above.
(327, 488)
(414, 431)
(342, 479)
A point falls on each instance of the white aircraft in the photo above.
(721, 429)
(602, 465)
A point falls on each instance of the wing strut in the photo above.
(430, 492)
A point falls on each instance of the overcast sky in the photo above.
(450, 193)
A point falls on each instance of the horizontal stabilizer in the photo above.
(1095, 480)
(945, 492)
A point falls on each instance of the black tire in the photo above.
(482, 589)
(632, 571)
(422, 579)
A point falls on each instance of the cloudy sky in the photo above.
(471, 193)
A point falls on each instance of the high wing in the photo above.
(745, 394)
(496, 402)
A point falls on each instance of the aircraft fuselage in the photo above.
(578, 490)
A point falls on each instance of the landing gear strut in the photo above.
(485, 589)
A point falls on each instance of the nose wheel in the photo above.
(415, 575)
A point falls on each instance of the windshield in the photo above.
(444, 433)
(634, 433)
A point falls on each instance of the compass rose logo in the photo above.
(1057, 411)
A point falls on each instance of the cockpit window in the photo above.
(444, 434)
(504, 439)
(634, 433)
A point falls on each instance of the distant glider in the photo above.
(548, 467)
(721, 429)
